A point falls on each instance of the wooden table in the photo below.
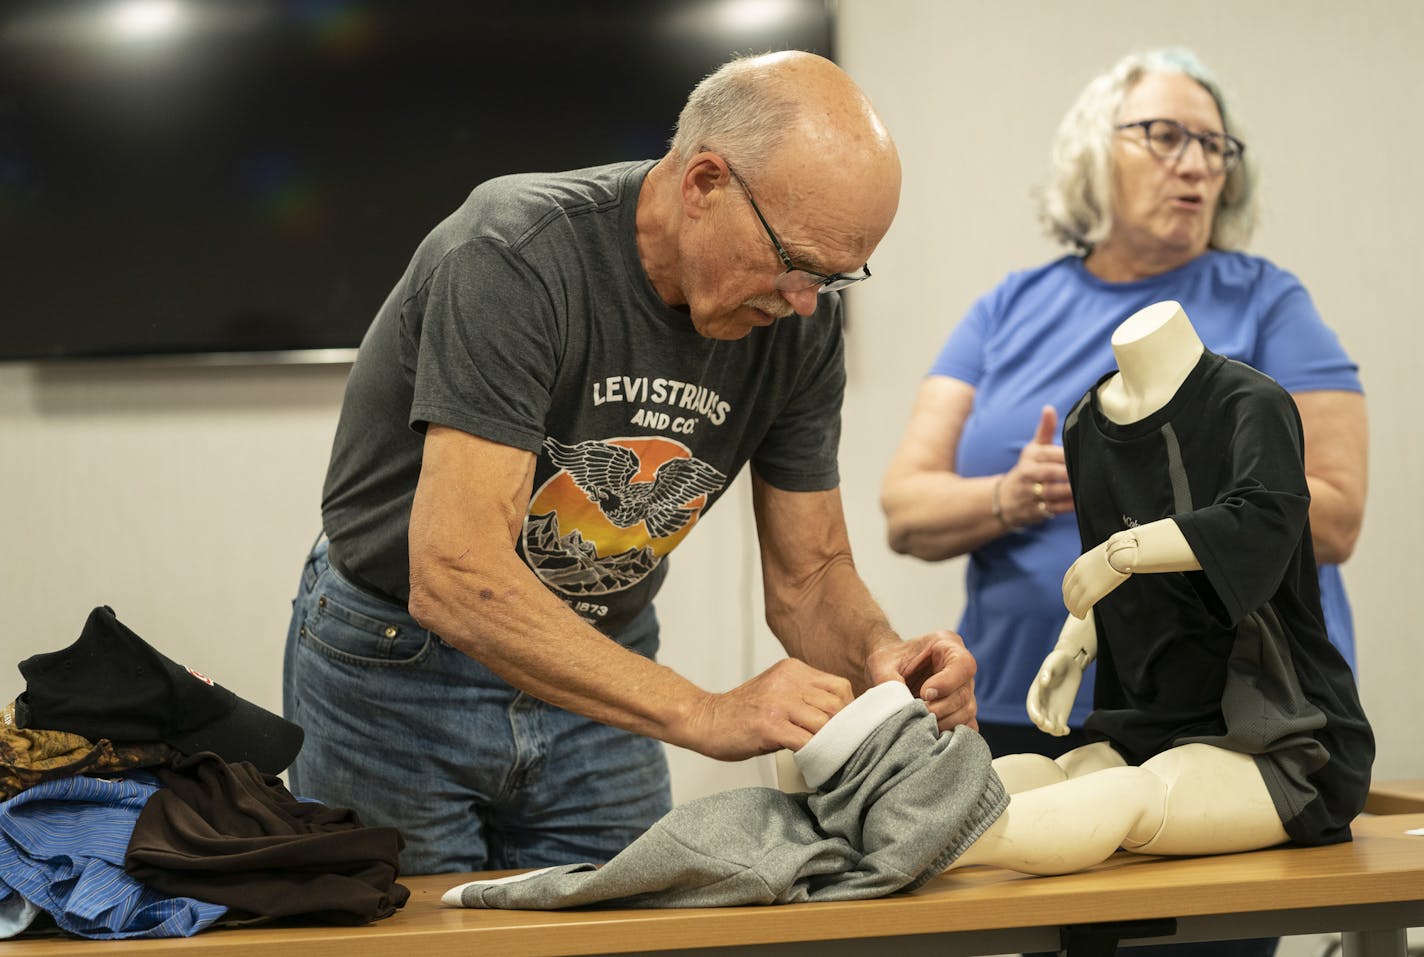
(1395, 797)
(1371, 890)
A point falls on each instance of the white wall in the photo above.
(183, 496)
(186, 496)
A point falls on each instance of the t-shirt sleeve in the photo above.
(1246, 536)
(800, 450)
(1296, 347)
(962, 356)
(488, 346)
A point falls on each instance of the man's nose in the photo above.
(803, 301)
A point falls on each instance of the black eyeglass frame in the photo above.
(818, 281)
(1229, 161)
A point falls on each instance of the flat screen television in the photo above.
(250, 177)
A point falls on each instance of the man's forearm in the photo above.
(830, 621)
(500, 615)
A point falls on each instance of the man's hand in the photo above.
(937, 668)
(779, 708)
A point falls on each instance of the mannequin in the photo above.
(1225, 720)
(1193, 799)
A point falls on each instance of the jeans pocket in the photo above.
(336, 629)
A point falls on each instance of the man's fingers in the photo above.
(837, 687)
(824, 702)
(793, 737)
(954, 708)
(919, 663)
(955, 719)
(807, 718)
(953, 664)
(807, 698)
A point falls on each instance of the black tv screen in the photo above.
(185, 177)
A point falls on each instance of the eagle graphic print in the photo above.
(614, 508)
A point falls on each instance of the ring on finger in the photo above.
(1038, 490)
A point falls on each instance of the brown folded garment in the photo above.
(227, 833)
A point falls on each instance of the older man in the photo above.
(569, 374)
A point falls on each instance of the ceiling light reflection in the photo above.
(146, 21)
(757, 14)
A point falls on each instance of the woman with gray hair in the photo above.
(1152, 184)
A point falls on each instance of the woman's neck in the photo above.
(1115, 261)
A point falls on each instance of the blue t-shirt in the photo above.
(1043, 337)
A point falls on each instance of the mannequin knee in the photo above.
(1025, 772)
(1215, 802)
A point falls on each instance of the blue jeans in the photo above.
(476, 775)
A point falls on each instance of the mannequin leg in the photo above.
(1216, 803)
(788, 776)
(1194, 799)
(1070, 825)
(1024, 772)
(1090, 758)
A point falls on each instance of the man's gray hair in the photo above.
(736, 112)
(1076, 204)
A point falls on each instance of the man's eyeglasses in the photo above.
(1168, 140)
(797, 278)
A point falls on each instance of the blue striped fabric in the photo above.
(62, 845)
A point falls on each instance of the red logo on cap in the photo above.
(200, 676)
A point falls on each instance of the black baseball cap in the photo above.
(112, 684)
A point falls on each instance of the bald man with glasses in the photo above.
(571, 371)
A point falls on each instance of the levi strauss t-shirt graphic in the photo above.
(614, 507)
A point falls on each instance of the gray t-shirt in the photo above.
(526, 318)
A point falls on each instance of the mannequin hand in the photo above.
(1093, 575)
(1050, 697)
(1036, 488)
(938, 669)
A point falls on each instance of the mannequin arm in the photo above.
(1050, 697)
(1155, 547)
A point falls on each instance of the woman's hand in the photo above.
(1036, 488)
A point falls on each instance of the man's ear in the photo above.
(704, 176)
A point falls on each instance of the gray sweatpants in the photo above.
(906, 804)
